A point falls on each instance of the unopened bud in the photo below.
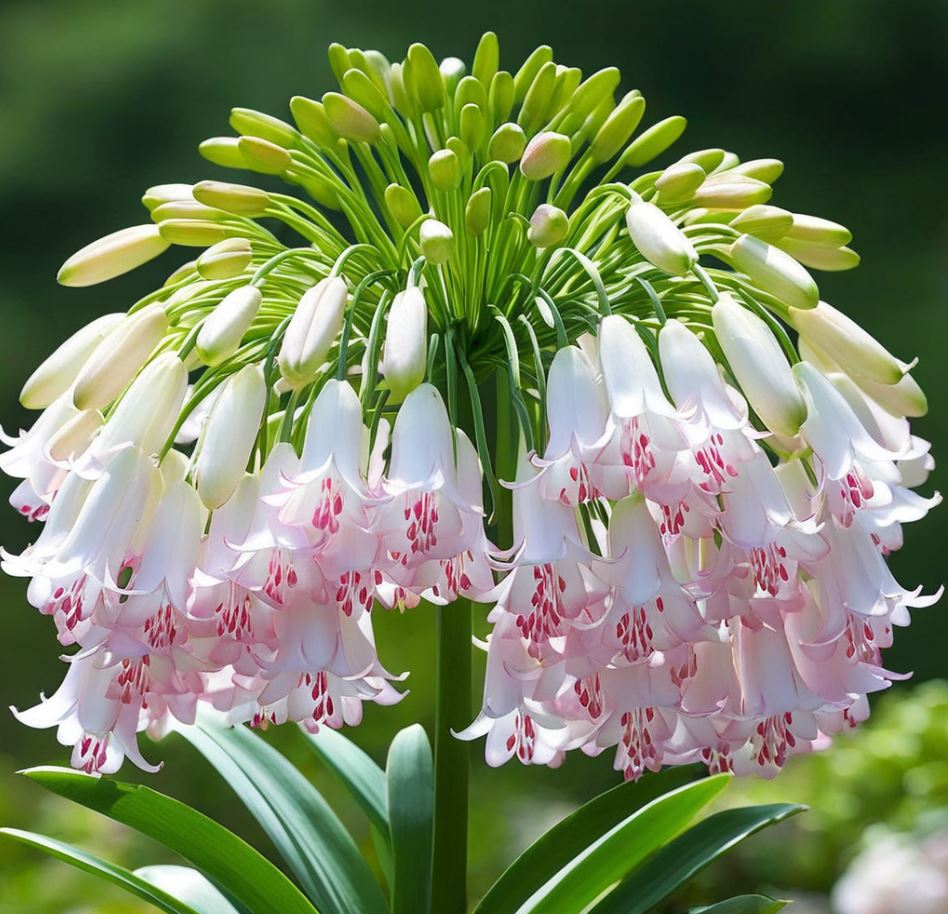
(224, 328)
(112, 256)
(618, 127)
(74, 437)
(118, 357)
(359, 86)
(263, 156)
(846, 343)
(436, 241)
(236, 199)
(452, 72)
(593, 90)
(471, 125)
(820, 256)
(321, 189)
(477, 212)
(654, 141)
(501, 96)
(537, 99)
(53, 377)
(339, 60)
(759, 364)
(905, 399)
(546, 154)
(229, 435)
(225, 259)
(765, 222)
(567, 80)
(445, 170)
(658, 239)
(507, 143)
(549, 225)
(728, 191)
(678, 182)
(312, 330)
(766, 170)
(311, 118)
(405, 354)
(426, 80)
(196, 233)
(815, 230)
(165, 193)
(402, 204)
(186, 270)
(349, 119)
(775, 272)
(248, 122)
(708, 159)
(223, 151)
(187, 209)
(529, 69)
(486, 59)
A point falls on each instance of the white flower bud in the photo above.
(74, 437)
(238, 199)
(229, 436)
(775, 272)
(658, 239)
(224, 328)
(545, 155)
(730, 191)
(225, 259)
(819, 256)
(678, 182)
(819, 231)
(549, 225)
(53, 377)
(858, 353)
(405, 355)
(436, 241)
(165, 193)
(312, 330)
(118, 357)
(759, 364)
(768, 223)
(112, 256)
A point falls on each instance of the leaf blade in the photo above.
(189, 885)
(743, 904)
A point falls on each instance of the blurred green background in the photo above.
(99, 100)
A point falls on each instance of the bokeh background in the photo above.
(99, 100)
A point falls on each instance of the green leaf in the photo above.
(569, 837)
(125, 879)
(218, 853)
(360, 775)
(622, 848)
(680, 860)
(743, 904)
(188, 885)
(410, 783)
(306, 832)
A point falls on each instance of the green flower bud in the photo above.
(477, 212)
(471, 125)
(819, 256)
(237, 199)
(187, 209)
(617, 128)
(658, 239)
(360, 88)
(402, 204)
(678, 182)
(196, 233)
(470, 91)
(507, 143)
(223, 151)
(445, 170)
(263, 156)
(225, 259)
(426, 82)
(819, 231)
(528, 71)
(765, 222)
(535, 102)
(766, 170)
(546, 154)
(567, 79)
(310, 117)
(224, 328)
(322, 190)
(376, 65)
(501, 96)
(654, 141)
(112, 256)
(187, 269)
(339, 60)
(593, 90)
(486, 59)
(247, 122)
(729, 191)
(452, 72)
(165, 193)
(436, 241)
(549, 225)
(708, 159)
(775, 272)
(403, 101)
(349, 119)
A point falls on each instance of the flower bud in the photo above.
(765, 222)
(759, 364)
(321, 189)
(224, 328)
(486, 58)
(567, 80)
(846, 343)
(727, 191)
(248, 122)
(187, 209)
(501, 96)
(263, 156)
(905, 399)
(339, 60)
(425, 78)
(477, 212)
(74, 437)
(654, 141)
(402, 204)
(112, 256)
(229, 436)
(360, 88)
(529, 69)
(185, 271)
(549, 225)
(658, 239)
(775, 272)
(225, 259)
(165, 193)
(678, 182)
(436, 241)
(618, 127)
(708, 159)
(537, 99)
(470, 91)
(223, 151)
(819, 256)
(236, 199)
(819, 231)
(445, 170)
(349, 119)
(196, 233)
(766, 170)
(452, 71)
(53, 377)
(311, 118)
(312, 330)
(507, 143)
(405, 354)
(593, 90)
(471, 125)
(118, 357)
(546, 154)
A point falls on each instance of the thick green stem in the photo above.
(451, 758)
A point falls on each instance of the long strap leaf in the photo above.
(188, 885)
(306, 832)
(743, 904)
(569, 837)
(218, 853)
(678, 862)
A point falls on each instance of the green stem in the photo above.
(451, 758)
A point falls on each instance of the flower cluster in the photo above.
(685, 553)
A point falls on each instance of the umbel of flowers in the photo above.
(498, 355)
